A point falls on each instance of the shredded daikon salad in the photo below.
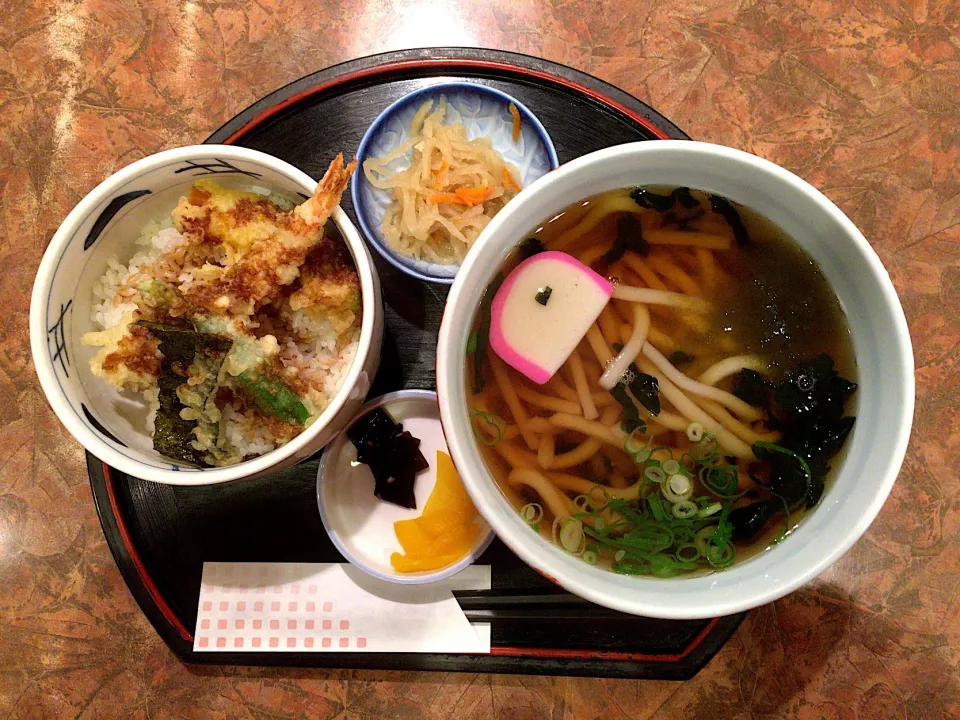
(451, 190)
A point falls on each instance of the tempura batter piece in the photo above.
(264, 249)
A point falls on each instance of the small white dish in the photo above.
(110, 424)
(360, 524)
(483, 111)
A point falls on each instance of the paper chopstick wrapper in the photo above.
(332, 607)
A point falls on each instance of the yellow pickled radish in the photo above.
(446, 530)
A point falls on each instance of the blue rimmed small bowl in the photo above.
(359, 524)
(483, 111)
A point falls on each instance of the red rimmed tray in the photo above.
(161, 535)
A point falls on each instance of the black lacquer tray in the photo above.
(161, 535)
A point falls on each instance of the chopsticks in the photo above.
(529, 606)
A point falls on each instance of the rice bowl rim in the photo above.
(51, 384)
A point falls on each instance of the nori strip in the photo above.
(173, 436)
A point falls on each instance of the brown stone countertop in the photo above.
(860, 97)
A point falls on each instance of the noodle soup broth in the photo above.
(696, 422)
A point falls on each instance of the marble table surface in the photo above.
(862, 98)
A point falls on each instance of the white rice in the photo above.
(314, 349)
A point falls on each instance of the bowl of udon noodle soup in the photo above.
(675, 379)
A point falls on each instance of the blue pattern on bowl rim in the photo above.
(483, 111)
(58, 334)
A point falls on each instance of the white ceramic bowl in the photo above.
(881, 342)
(359, 524)
(107, 222)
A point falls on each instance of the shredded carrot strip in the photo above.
(509, 181)
(440, 179)
(463, 196)
(516, 122)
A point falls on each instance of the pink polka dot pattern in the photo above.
(279, 622)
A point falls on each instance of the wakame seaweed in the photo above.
(679, 357)
(630, 419)
(173, 436)
(483, 333)
(629, 237)
(807, 408)
(725, 209)
(530, 247)
(645, 388)
(651, 201)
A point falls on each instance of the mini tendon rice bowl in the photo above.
(226, 324)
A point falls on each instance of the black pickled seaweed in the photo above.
(173, 436)
(807, 408)
(483, 333)
(629, 237)
(530, 247)
(725, 209)
(392, 454)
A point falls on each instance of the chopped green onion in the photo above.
(620, 555)
(655, 474)
(678, 487)
(532, 513)
(599, 524)
(684, 509)
(688, 549)
(704, 450)
(590, 557)
(491, 420)
(670, 467)
(656, 508)
(543, 295)
(721, 480)
(694, 432)
(711, 509)
(472, 343)
(568, 533)
(628, 446)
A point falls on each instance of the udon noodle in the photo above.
(669, 441)
(451, 190)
